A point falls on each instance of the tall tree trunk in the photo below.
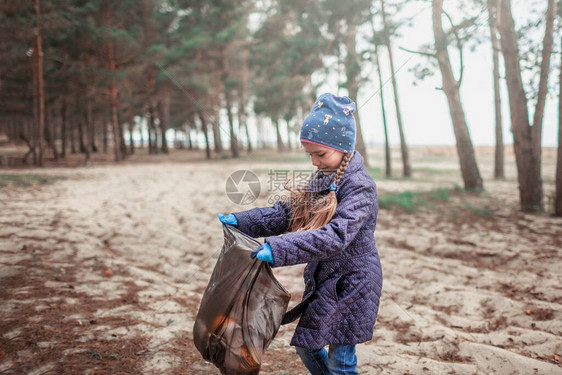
(407, 169)
(81, 135)
(38, 53)
(205, 133)
(89, 133)
(280, 144)
(122, 145)
(465, 151)
(233, 139)
(93, 145)
(288, 124)
(242, 115)
(85, 135)
(215, 99)
(558, 193)
(499, 154)
(164, 114)
(112, 89)
(189, 141)
(151, 145)
(352, 74)
(261, 136)
(242, 120)
(228, 98)
(526, 138)
(141, 132)
(63, 130)
(387, 155)
(131, 129)
(105, 131)
(72, 133)
(50, 140)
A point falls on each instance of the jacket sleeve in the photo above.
(265, 221)
(357, 204)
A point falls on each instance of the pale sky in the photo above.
(425, 110)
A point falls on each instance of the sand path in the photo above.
(102, 272)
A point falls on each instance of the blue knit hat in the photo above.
(331, 123)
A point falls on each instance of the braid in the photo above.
(311, 212)
(343, 167)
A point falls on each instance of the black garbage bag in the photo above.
(241, 309)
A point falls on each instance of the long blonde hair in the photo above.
(311, 210)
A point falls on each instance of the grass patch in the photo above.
(376, 173)
(418, 174)
(410, 200)
(482, 212)
(276, 157)
(26, 180)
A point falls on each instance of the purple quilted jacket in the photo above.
(343, 276)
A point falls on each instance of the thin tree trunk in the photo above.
(89, 133)
(206, 134)
(131, 129)
(280, 144)
(152, 146)
(112, 90)
(85, 135)
(499, 154)
(122, 145)
(261, 136)
(164, 115)
(407, 169)
(233, 139)
(242, 116)
(141, 133)
(352, 85)
(288, 124)
(73, 134)
(34, 139)
(242, 121)
(63, 130)
(526, 138)
(189, 141)
(48, 137)
(216, 123)
(467, 159)
(81, 135)
(93, 131)
(387, 156)
(40, 89)
(558, 194)
(228, 99)
(105, 131)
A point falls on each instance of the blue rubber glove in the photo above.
(263, 253)
(228, 219)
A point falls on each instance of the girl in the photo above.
(330, 227)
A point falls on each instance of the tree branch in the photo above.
(428, 54)
(454, 30)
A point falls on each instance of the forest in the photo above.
(120, 122)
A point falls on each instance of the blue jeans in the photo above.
(340, 359)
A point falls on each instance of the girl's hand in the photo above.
(263, 253)
(228, 219)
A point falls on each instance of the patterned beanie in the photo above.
(331, 123)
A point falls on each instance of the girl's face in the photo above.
(323, 158)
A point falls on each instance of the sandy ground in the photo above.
(102, 269)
